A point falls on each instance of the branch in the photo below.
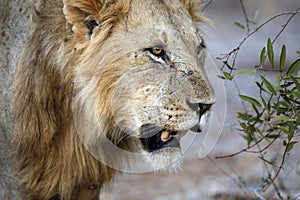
(285, 25)
(233, 54)
(268, 21)
(245, 15)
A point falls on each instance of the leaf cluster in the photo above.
(275, 114)
(277, 109)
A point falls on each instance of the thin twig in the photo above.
(239, 92)
(245, 15)
(266, 147)
(235, 51)
(268, 21)
(241, 151)
(285, 25)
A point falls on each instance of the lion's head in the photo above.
(106, 78)
(145, 82)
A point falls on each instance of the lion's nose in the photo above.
(200, 107)
(204, 108)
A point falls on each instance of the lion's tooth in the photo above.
(165, 136)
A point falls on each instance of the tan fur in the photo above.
(52, 159)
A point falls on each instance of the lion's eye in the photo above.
(157, 51)
(158, 54)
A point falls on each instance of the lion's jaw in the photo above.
(151, 83)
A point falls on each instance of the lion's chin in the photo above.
(165, 159)
(162, 147)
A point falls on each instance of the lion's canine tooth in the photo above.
(165, 136)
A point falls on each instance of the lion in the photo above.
(97, 78)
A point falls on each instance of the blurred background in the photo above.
(238, 177)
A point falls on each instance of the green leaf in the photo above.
(259, 85)
(221, 77)
(249, 138)
(228, 76)
(250, 100)
(266, 161)
(282, 58)
(241, 26)
(270, 52)
(298, 52)
(278, 80)
(272, 136)
(291, 79)
(263, 56)
(243, 116)
(293, 67)
(256, 16)
(296, 94)
(290, 146)
(283, 129)
(283, 117)
(246, 71)
(268, 85)
(296, 82)
(264, 103)
(292, 128)
(243, 125)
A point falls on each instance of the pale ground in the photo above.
(238, 177)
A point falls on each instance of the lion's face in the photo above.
(147, 79)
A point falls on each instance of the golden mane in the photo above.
(51, 159)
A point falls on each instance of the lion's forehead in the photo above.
(168, 16)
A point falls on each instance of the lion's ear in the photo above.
(83, 16)
(194, 7)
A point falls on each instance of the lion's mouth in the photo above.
(155, 138)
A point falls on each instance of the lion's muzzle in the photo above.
(154, 137)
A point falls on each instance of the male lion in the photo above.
(100, 77)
